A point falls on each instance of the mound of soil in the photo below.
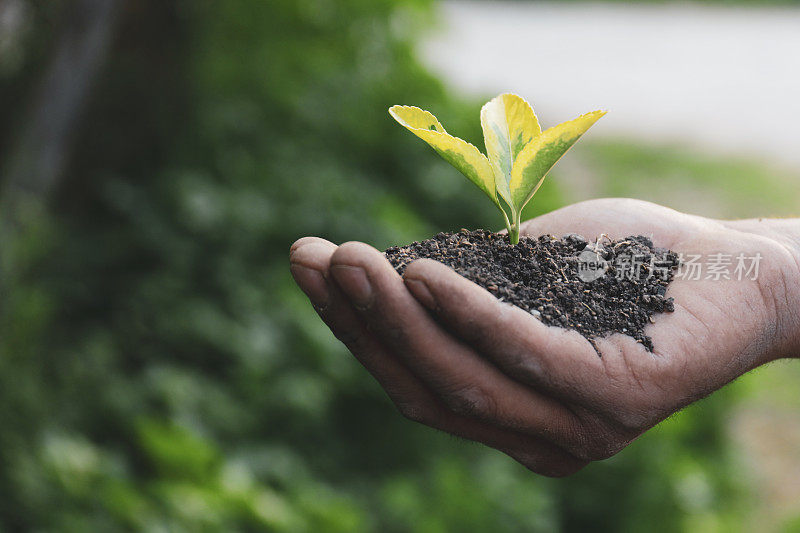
(596, 288)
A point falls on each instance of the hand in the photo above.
(452, 356)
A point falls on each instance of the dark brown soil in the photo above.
(549, 277)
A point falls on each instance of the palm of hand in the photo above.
(475, 367)
(720, 327)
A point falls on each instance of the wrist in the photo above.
(781, 281)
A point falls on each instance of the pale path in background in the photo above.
(727, 78)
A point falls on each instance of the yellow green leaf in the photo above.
(459, 153)
(539, 156)
(509, 124)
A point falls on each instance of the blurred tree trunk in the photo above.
(39, 153)
(36, 161)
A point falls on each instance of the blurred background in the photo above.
(159, 370)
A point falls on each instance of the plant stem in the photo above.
(513, 233)
(513, 229)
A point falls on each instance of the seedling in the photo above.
(520, 153)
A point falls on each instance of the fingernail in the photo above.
(421, 292)
(313, 283)
(353, 281)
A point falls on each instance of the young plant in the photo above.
(519, 153)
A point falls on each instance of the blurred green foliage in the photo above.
(732, 187)
(160, 371)
(732, 3)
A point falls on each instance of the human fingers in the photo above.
(465, 382)
(310, 259)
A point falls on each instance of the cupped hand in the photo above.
(452, 356)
